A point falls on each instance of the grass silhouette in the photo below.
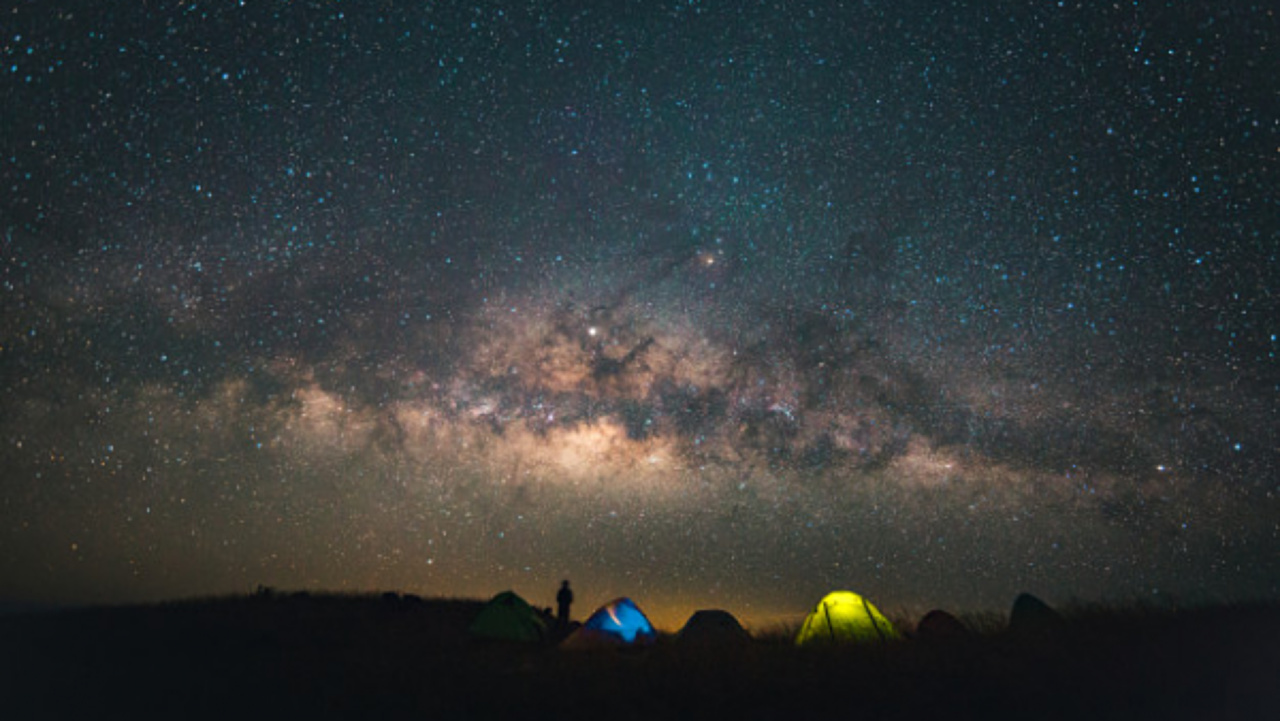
(320, 656)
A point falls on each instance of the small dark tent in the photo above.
(712, 627)
(507, 617)
(938, 625)
(617, 623)
(1030, 614)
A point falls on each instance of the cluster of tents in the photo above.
(841, 617)
(508, 617)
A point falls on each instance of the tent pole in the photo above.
(867, 607)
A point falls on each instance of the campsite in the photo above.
(318, 656)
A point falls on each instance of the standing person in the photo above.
(564, 599)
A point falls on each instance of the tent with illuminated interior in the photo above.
(845, 617)
(618, 623)
(507, 617)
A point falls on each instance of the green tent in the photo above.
(507, 617)
(845, 617)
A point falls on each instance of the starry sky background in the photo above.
(711, 304)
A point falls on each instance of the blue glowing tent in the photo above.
(617, 623)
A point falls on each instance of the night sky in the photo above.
(710, 304)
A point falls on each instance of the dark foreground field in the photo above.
(317, 657)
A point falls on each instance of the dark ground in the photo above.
(315, 657)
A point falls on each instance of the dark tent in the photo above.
(1031, 614)
(712, 627)
(507, 617)
(938, 625)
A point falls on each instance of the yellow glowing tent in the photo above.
(845, 617)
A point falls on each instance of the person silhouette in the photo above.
(564, 599)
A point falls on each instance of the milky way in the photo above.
(708, 304)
